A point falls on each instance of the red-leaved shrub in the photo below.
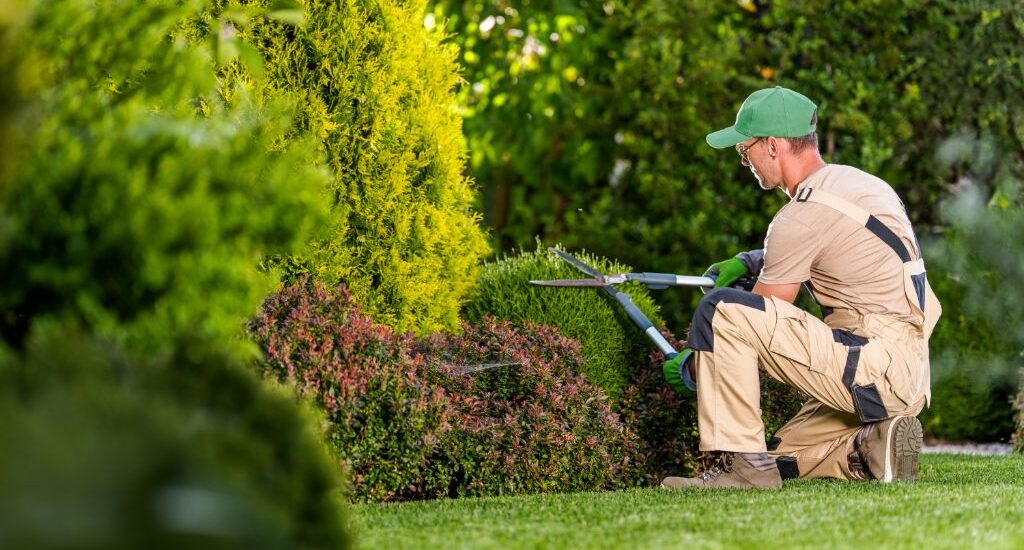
(409, 423)
(534, 425)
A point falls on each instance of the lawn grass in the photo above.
(960, 501)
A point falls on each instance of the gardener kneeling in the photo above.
(846, 234)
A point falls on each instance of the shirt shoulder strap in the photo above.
(861, 216)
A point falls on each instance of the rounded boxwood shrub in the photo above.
(409, 425)
(611, 344)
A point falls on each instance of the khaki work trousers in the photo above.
(852, 379)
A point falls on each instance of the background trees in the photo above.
(920, 93)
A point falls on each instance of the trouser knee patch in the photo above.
(868, 403)
(701, 337)
(788, 468)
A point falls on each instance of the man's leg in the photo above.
(817, 443)
(823, 442)
(729, 329)
(735, 331)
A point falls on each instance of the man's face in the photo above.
(752, 155)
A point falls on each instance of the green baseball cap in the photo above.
(778, 112)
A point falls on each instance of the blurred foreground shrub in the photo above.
(982, 254)
(103, 451)
(410, 425)
(131, 213)
(134, 208)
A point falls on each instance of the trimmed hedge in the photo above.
(373, 88)
(610, 343)
(408, 426)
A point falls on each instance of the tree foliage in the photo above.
(658, 75)
(896, 83)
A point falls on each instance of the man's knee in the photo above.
(701, 338)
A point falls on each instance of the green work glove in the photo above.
(677, 372)
(727, 272)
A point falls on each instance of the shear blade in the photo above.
(571, 283)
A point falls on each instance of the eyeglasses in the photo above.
(744, 159)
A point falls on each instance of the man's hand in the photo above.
(727, 272)
(677, 372)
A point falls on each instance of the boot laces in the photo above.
(711, 474)
(721, 464)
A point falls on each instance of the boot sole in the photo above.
(905, 436)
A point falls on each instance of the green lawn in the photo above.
(960, 501)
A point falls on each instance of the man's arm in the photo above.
(785, 292)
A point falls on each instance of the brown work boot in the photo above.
(734, 472)
(889, 449)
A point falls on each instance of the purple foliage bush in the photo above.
(533, 426)
(408, 425)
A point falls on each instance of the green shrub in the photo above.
(409, 426)
(133, 213)
(374, 89)
(610, 343)
(129, 214)
(108, 451)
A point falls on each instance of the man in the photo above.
(844, 233)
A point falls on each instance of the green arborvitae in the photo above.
(611, 344)
(374, 88)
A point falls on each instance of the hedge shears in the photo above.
(654, 281)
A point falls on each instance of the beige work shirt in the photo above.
(848, 267)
